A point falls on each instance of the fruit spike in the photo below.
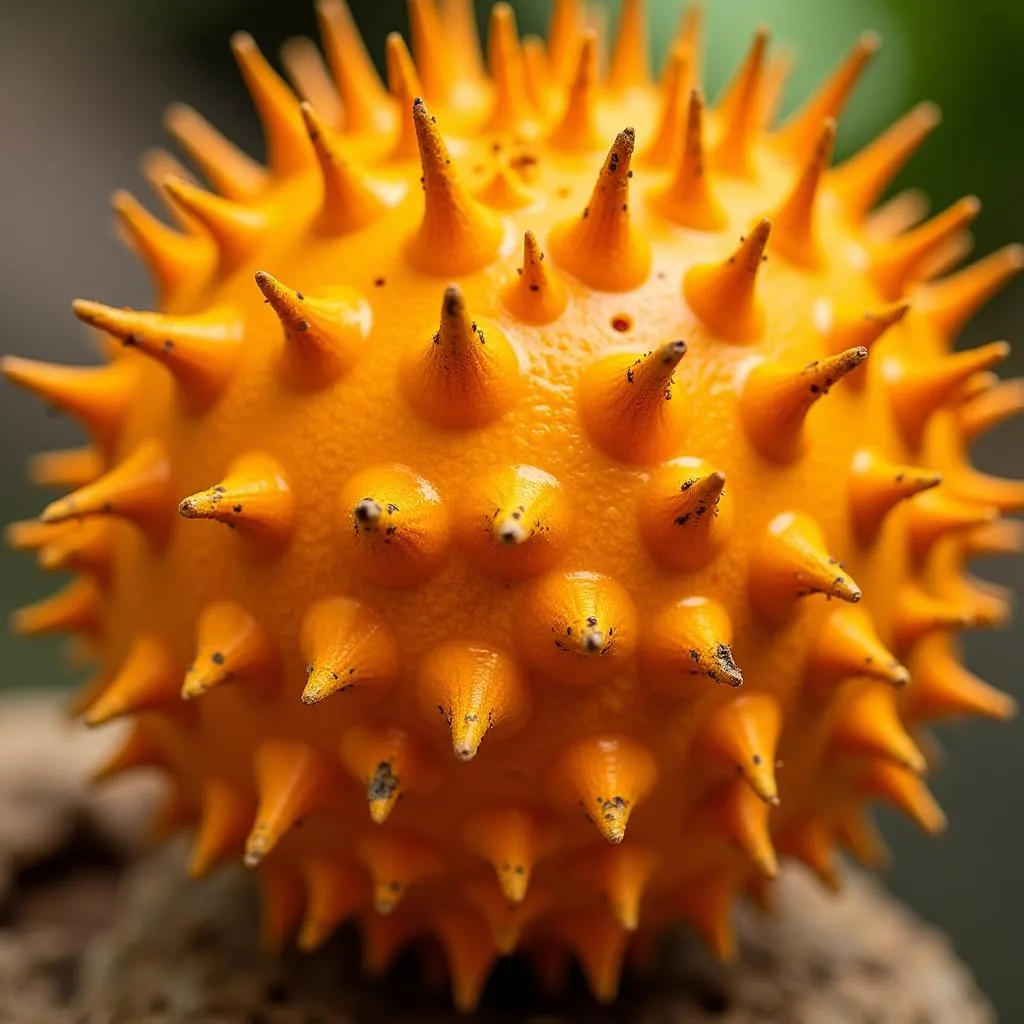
(474, 690)
(254, 497)
(456, 234)
(724, 295)
(200, 351)
(776, 400)
(608, 775)
(557, 538)
(603, 247)
(626, 403)
(687, 198)
(463, 374)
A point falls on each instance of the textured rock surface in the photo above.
(82, 943)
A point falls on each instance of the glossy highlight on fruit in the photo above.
(549, 490)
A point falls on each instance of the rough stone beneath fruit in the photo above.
(180, 951)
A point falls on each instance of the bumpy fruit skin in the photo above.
(530, 610)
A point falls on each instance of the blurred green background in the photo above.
(85, 83)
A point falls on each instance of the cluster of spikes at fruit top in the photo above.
(622, 405)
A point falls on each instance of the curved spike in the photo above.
(282, 904)
(1004, 494)
(778, 68)
(345, 644)
(603, 248)
(505, 59)
(775, 401)
(858, 834)
(278, 108)
(917, 389)
(506, 919)
(146, 679)
(137, 489)
(88, 547)
(895, 262)
(335, 889)
(397, 860)
(690, 35)
(944, 689)
(991, 605)
(292, 779)
(948, 304)
(349, 202)
(254, 497)
(505, 191)
(180, 263)
(846, 644)
(990, 408)
(1003, 537)
(175, 812)
(429, 46)
(577, 129)
(98, 396)
(946, 257)
(536, 74)
(389, 762)
(903, 211)
(237, 230)
(140, 749)
(514, 522)
(795, 233)
(626, 403)
(620, 874)
(383, 937)
(470, 953)
(609, 776)
(797, 135)
(394, 525)
(32, 535)
(232, 173)
(686, 641)
(201, 350)
(685, 515)
(666, 149)
(577, 629)
(566, 37)
(793, 563)
(876, 486)
(306, 70)
(363, 97)
(860, 329)
(630, 68)
(156, 166)
(811, 842)
(599, 943)
(734, 812)
(465, 374)
(869, 724)
(223, 825)
(723, 295)
(404, 85)
(230, 645)
(475, 690)
(706, 902)
(536, 295)
(741, 736)
(935, 515)
(75, 608)
(687, 198)
(918, 613)
(905, 791)
(456, 235)
(511, 839)
(325, 336)
(861, 180)
(738, 113)
(65, 467)
(459, 20)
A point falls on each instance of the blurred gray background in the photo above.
(84, 84)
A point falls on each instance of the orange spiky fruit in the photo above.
(540, 435)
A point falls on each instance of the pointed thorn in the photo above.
(741, 736)
(905, 791)
(474, 690)
(537, 294)
(936, 515)
(145, 680)
(723, 295)
(858, 330)
(65, 467)
(870, 724)
(776, 400)
(397, 860)
(876, 486)
(223, 826)
(666, 149)
(404, 84)
(335, 889)
(307, 71)
(76, 608)
(430, 47)
(630, 67)
(512, 105)
(738, 113)
(567, 35)
(733, 812)
(230, 646)
(511, 839)
(577, 129)
(845, 645)
(990, 408)
(917, 613)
